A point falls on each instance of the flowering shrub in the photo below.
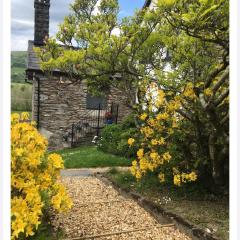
(35, 178)
(159, 121)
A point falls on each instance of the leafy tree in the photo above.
(181, 46)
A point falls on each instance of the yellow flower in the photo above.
(140, 153)
(56, 161)
(161, 177)
(143, 116)
(154, 156)
(177, 180)
(167, 156)
(138, 175)
(25, 116)
(151, 122)
(143, 164)
(189, 92)
(161, 141)
(131, 141)
(154, 142)
(192, 176)
(160, 98)
(133, 170)
(15, 117)
(162, 116)
(208, 92)
(134, 163)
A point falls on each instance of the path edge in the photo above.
(156, 211)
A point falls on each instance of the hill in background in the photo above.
(18, 66)
(21, 92)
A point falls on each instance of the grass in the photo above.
(21, 97)
(192, 202)
(90, 157)
(18, 66)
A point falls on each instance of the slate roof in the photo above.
(33, 62)
(32, 59)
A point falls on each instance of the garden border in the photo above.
(157, 211)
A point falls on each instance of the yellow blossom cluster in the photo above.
(208, 92)
(143, 116)
(178, 179)
(131, 141)
(34, 178)
(159, 120)
(189, 92)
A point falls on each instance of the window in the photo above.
(94, 101)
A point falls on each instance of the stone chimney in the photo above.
(41, 28)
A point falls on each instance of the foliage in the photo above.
(114, 138)
(35, 185)
(182, 47)
(90, 157)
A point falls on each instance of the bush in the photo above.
(35, 186)
(114, 138)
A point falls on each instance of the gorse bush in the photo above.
(35, 185)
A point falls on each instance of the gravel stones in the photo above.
(100, 211)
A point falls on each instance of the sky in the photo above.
(22, 23)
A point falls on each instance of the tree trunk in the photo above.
(217, 157)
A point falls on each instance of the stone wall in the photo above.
(62, 104)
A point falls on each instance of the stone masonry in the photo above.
(61, 104)
(56, 103)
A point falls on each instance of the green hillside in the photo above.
(18, 66)
(21, 93)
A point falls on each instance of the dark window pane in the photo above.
(94, 101)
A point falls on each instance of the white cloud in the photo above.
(23, 20)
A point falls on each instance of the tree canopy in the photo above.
(182, 46)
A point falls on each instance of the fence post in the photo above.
(116, 115)
(99, 109)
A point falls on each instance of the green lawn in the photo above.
(192, 202)
(90, 157)
(21, 97)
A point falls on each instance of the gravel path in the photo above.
(100, 212)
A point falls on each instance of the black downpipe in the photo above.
(38, 105)
(72, 137)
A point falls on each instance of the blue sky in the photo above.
(128, 7)
(23, 18)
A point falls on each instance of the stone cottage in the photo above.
(66, 114)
